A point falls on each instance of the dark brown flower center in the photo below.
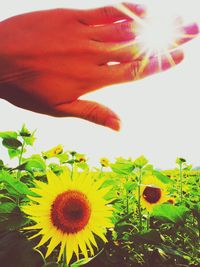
(152, 194)
(70, 211)
(171, 201)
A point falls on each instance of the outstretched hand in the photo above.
(48, 59)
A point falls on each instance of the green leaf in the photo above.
(35, 164)
(172, 251)
(108, 182)
(163, 178)
(8, 135)
(18, 187)
(13, 153)
(57, 169)
(24, 131)
(63, 157)
(1, 164)
(130, 186)
(196, 212)
(27, 136)
(188, 167)
(11, 143)
(148, 167)
(29, 140)
(82, 165)
(149, 237)
(125, 218)
(80, 262)
(169, 214)
(12, 221)
(140, 162)
(7, 207)
(85, 261)
(71, 161)
(123, 167)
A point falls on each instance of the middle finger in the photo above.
(117, 32)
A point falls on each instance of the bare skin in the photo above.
(48, 59)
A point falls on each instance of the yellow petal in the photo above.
(55, 240)
(69, 249)
(61, 249)
(82, 245)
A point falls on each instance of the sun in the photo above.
(70, 212)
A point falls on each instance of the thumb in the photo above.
(91, 111)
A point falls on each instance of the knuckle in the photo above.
(91, 112)
(125, 29)
(134, 70)
(108, 11)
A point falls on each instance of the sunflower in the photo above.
(70, 212)
(53, 152)
(105, 162)
(153, 192)
(80, 158)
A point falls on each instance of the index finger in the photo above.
(108, 14)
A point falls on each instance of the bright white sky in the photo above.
(160, 114)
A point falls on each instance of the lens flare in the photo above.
(157, 35)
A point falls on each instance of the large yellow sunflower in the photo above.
(153, 192)
(70, 212)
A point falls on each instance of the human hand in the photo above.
(48, 59)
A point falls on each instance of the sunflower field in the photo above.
(57, 211)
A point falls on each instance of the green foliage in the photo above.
(11, 143)
(8, 135)
(35, 164)
(18, 188)
(168, 235)
(169, 213)
(122, 166)
(180, 160)
(163, 178)
(140, 162)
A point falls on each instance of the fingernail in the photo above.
(177, 56)
(191, 29)
(140, 10)
(113, 123)
(174, 59)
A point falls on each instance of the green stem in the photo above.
(148, 220)
(101, 171)
(127, 202)
(64, 261)
(139, 200)
(20, 159)
(72, 172)
(21, 153)
(127, 198)
(181, 183)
